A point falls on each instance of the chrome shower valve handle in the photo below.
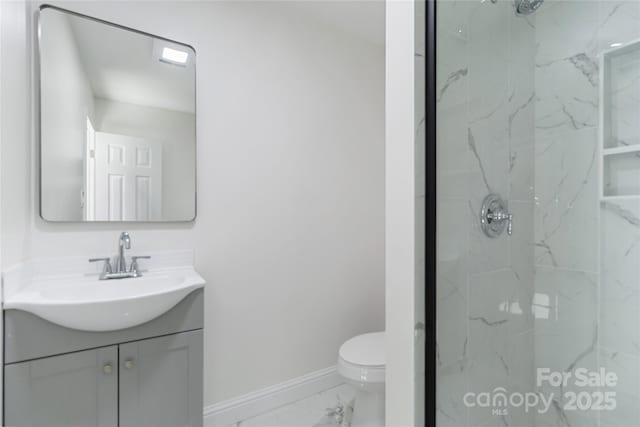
(501, 216)
(494, 216)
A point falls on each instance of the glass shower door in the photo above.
(538, 213)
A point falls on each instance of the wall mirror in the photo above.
(117, 122)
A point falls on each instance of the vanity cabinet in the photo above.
(161, 381)
(146, 376)
(77, 389)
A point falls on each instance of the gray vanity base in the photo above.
(149, 375)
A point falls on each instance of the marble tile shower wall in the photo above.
(485, 110)
(566, 190)
(586, 256)
(619, 342)
(518, 115)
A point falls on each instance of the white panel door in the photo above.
(128, 178)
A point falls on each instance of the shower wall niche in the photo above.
(620, 121)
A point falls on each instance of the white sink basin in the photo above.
(88, 304)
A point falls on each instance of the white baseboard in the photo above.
(234, 410)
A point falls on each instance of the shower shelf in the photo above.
(620, 172)
(619, 198)
(619, 128)
(621, 150)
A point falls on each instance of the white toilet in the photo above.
(361, 363)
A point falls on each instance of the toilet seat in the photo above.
(364, 350)
(362, 358)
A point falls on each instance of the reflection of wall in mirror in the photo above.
(67, 101)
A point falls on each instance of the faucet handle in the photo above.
(134, 263)
(107, 264)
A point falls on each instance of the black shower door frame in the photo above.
(430, 216)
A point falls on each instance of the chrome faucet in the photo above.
(121, 262)
(120, 269)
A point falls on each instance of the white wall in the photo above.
(2, 13)
(290, 227)
(16, 137)
(420, 141)
(176, 130)
(67, 101)
(400, 214)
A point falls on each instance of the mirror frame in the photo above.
(38, 116)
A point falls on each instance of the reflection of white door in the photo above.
(128, 178)
(89, 193)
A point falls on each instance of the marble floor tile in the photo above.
(309, 412)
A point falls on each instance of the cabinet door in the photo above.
(161, 381)
(73, 390)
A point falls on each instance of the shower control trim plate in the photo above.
(495, 217)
